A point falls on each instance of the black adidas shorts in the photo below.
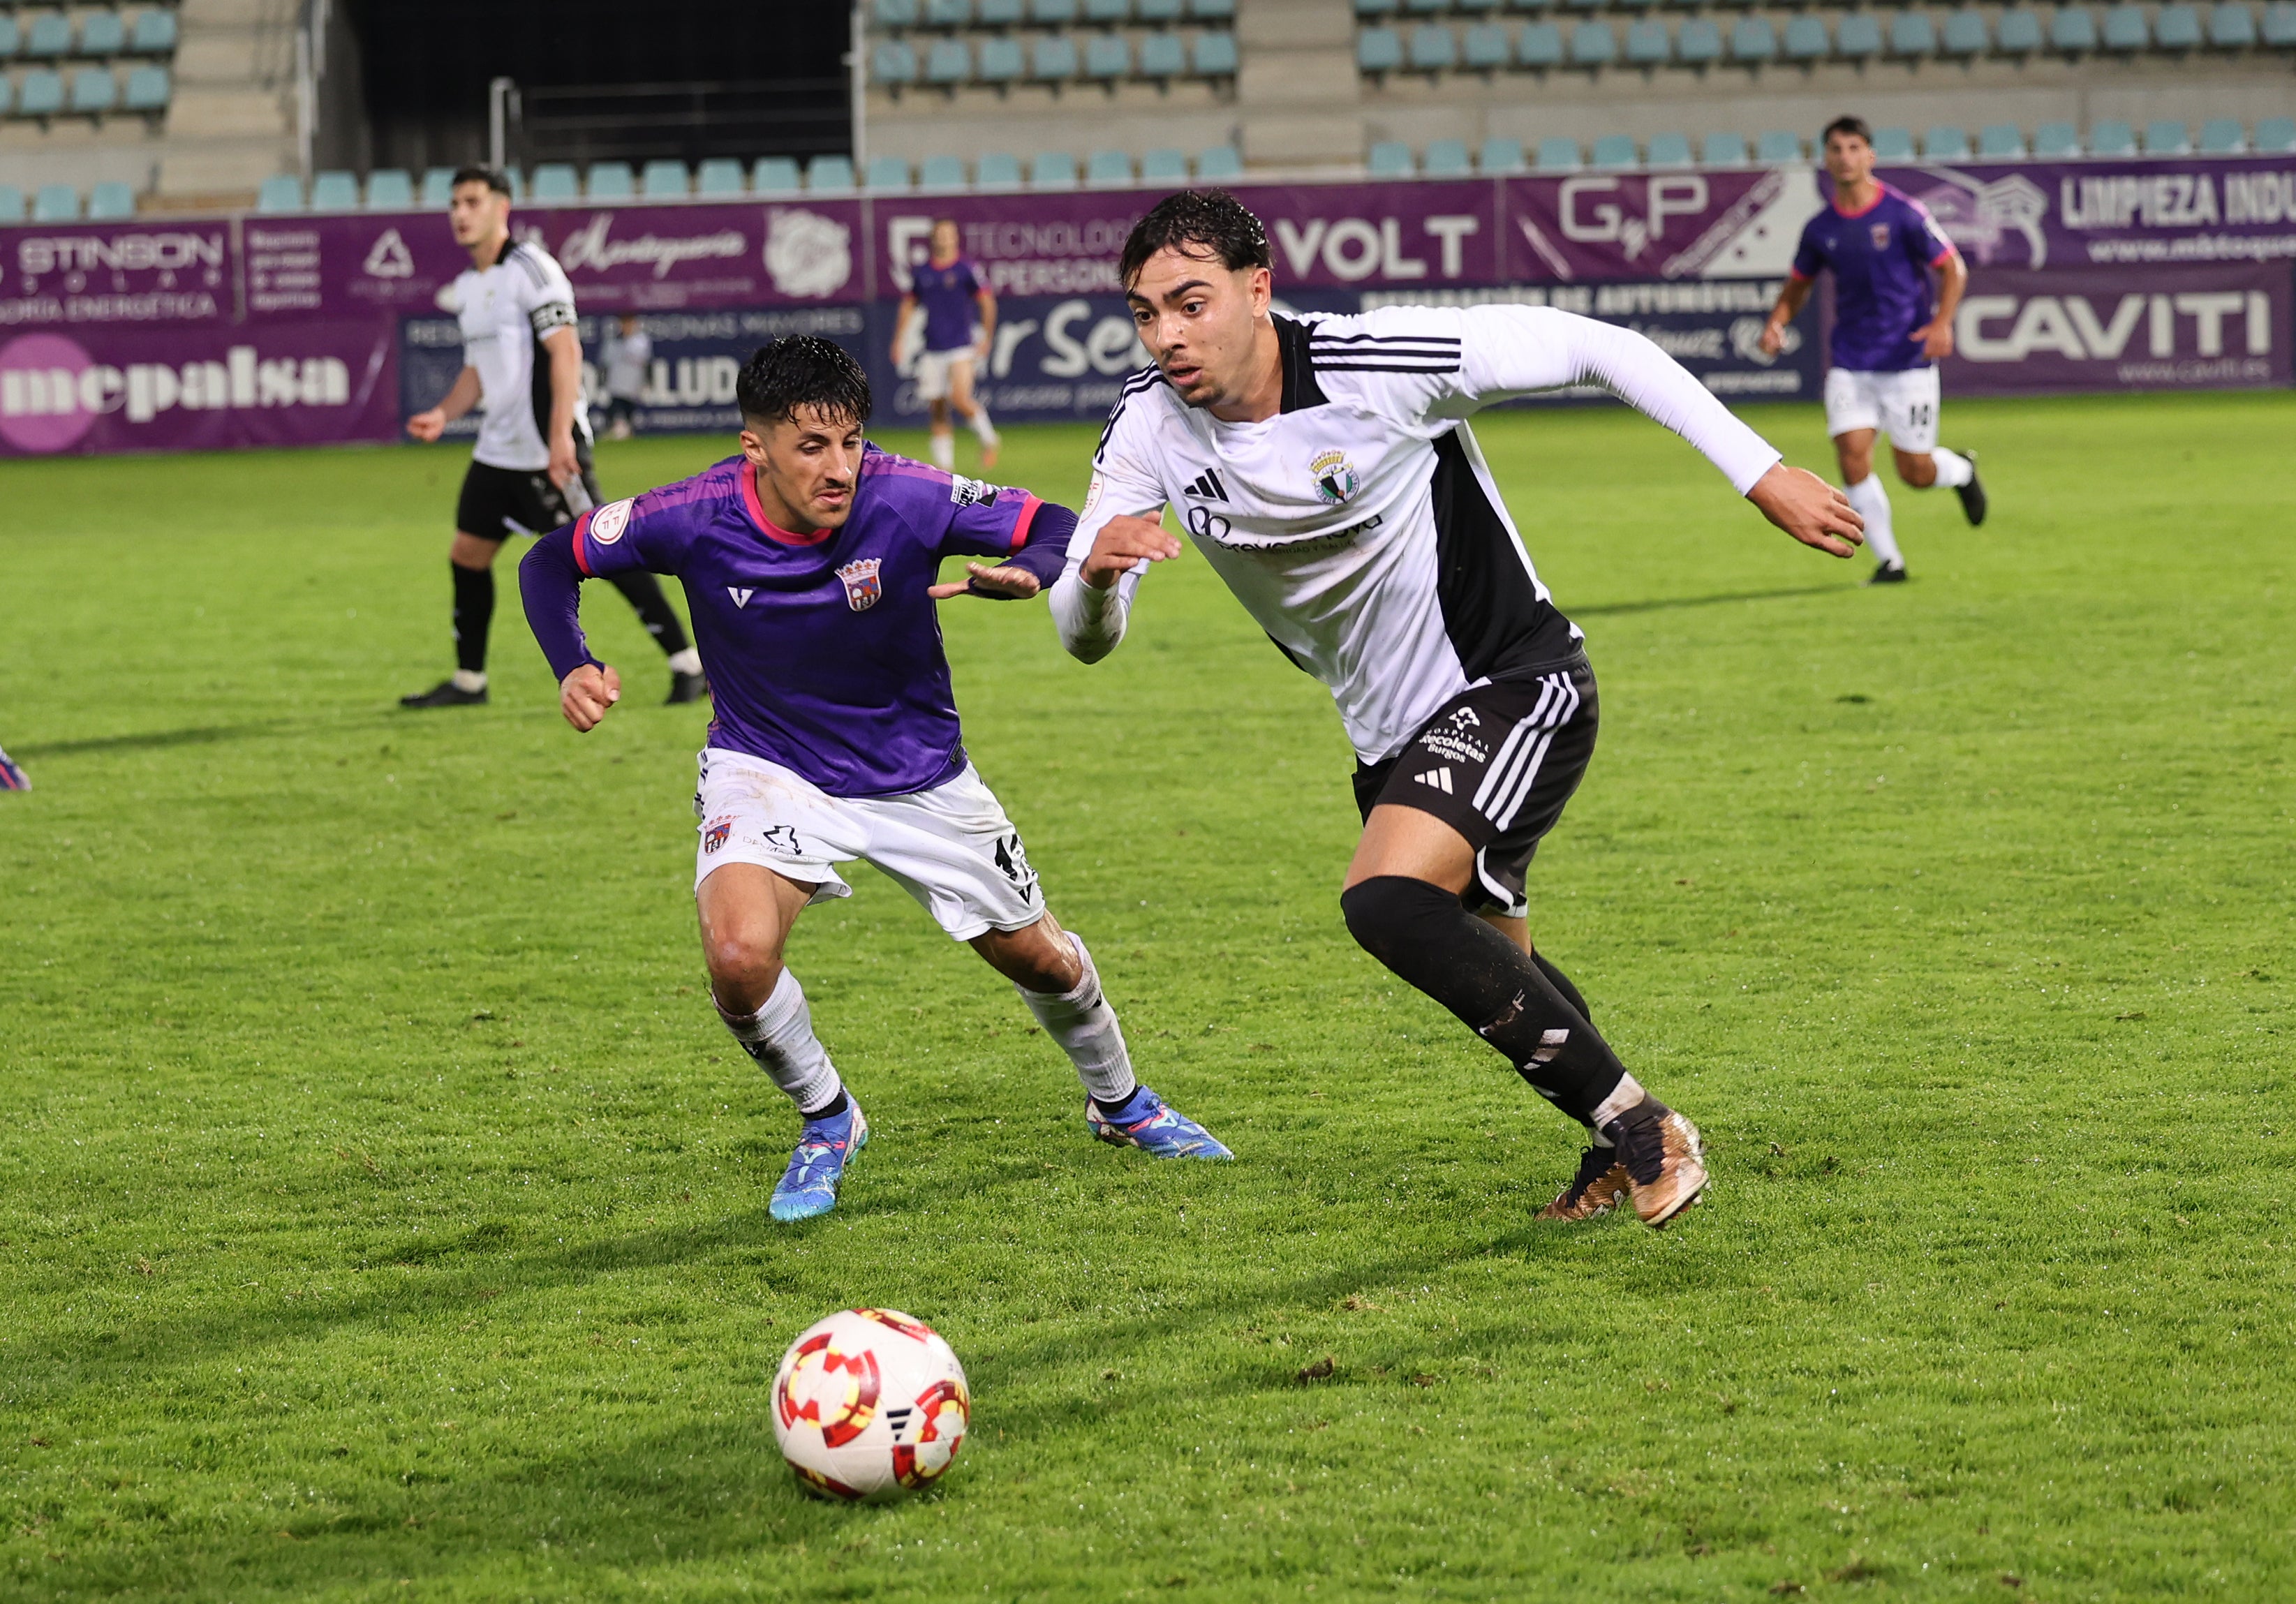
(498, 503)
(1497, 764)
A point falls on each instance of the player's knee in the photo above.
(1389, 913)
(743, 968)
(1918, 471)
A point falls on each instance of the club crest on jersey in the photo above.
(1881, 232)
(861, 586)
(970, 492)
(1335, 478)
(608, 522)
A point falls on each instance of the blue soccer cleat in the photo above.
(823, 1149)
(1157, 1129)
(12, 778)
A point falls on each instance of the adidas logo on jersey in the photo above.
(1207, 485)
(1440, 779)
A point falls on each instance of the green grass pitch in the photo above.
(383, 1208)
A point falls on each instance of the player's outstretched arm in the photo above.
(1093, 600)
(550, 584)
(1025, 570)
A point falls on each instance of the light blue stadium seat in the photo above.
(2054, 140)
(148, 88)
(2126, 29)
(1859, 38)
(718, 177)
(1163, 55)
(1212, 10)
(1893, 144)
(1000, 13)
(1215, 55)
(1484, 48)
(40, 92)
(1723, 150)
(1447, 159)
(1051, 170)
(154, 35)
(776, 175)
(437, 187)
(94, 90)
(1669, 151)
(893, 13)
(55, 203)
(1647, 44)
(1964, 34)
(948, 61)
(11, 40)
(1912, 34)
(998, 169)
(1499, 157)
(893, 61)
(948, 14)
(335, 191)
(1052, 59)
(1390, 159)
(1539, 45)
(1378, 50)
(1108, 14)
(1613, 152)
(887, 174)
(2165, 137)
(1159, 13)
(2279, 29)
(1807, 39)
(1052, 13)
(664, 179)
(1698, 43)
(1753, 39)
(2001, 142)
(2072, 30)
(1163, 165)
(11, 203)
(1426, 7)
(1432, 48)
(2231, 26)
(830, 175)
(109, 202)
(2223, 137)
(1777, 147)
(390, 189)
(2020, 32)
(1221, 164)
(1558, 155)
(1376, 10)
(2276, 135)
(49, 35)
(942, 172)
(7, 93)
(1474, 7)
(1108, 170)
(1941, 143)
(2111, 136)
(103, 33)
(556, 183)
(1107, 56)
(2178, 29)
(281, 192)
(1593, 44)
(1002, 59)
(612, 181)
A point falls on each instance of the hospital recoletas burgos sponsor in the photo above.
(52, 391)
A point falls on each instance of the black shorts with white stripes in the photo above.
(498, 503)
(1497, 764)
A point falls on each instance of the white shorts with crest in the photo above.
(950, 848)
(935, 369)
(1902, 404)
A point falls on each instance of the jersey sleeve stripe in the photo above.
(1020, 524)
(1317, 337)
(581, 535)
(1384, 367)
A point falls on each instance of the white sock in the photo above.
(470, 679)
(1629, 1092)
(944, 450)
(1084, 1025)
(688, 661)
(780, 1037)
(1953, 469)
(982, 429)
(1873, 504)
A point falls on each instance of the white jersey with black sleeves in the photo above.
(1360, 526)
(506, 310)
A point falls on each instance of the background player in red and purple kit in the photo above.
(1888, 331)
(809, 563)
(951, 292)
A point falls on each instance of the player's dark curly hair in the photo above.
(802, 371)
(486, 176)
(1846, 125)
(1208, 221)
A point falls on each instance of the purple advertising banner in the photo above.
(64, 276)
(1654, 225)
(2111, 213)
(2050, 330)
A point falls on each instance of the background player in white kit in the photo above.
(950, 292)
(530, 470)
(1324, 469)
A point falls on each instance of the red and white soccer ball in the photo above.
(869, 1405)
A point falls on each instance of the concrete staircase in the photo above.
(232, 122)
(1297, 90)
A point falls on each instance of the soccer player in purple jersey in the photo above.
(950, 292)
(12, 774)
(1888, 333)
(809, 563)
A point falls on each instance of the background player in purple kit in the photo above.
(951, 293)
(809, 563)
(1888, 332)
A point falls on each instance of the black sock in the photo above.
(1423, 933)
(828, 1111)
(1560, 982)
(644, 592)
(474, 615)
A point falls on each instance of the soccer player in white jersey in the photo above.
(530, 470)
(1324, 468)
(1889, 331)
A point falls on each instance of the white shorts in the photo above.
(1902, 404)
(950, 848)
(936, 368)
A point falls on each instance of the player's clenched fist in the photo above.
(427, 426)
(1123, 543)
(584, 695)
(1808, 508)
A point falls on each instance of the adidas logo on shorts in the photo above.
(1440, 779)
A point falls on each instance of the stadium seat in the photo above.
(2178, 29)
(1500, 157)
(1613, 152)
(147, 90)
(2223, 137)
(1722, 150)
(1053, 59)
(2231, 26)
(947, 13)
(103, 33)
(437, 187)
(55, 203)
(1859, 38)
(1699, 43)
(774, 176)
(2276, 135)
(556, 183)
(1593, 44)
(1159, 13)
(1806, 39)
(281, 192)
(1941, 143)
(1558, 154)
(2053, 140)
(1647, 44)
(2019, 33)
(1426, 7)
(887, 174)
(1447, 159)
(664, 179)
(2166, 137)
(1778, 148)
(893, 61)
(1221, 164)
(1108, 170)
(830, 175)
(1000, 13)
(1377, 8)
(1163, 166)
(1484, 48)
(11, 203)
(998, 170)
(40, 93)
(1215, 55)
(1378, 50)
(1389, 159)
(1108, 14)
(2001, 142)
(893, 13)
(1163, 55)
(1669, 151)
(1051, 170)
(1432, 48)
(7, 93)
(1212, 10)
(943, 172)
(948, 61)
(154, 33)
(1893, 144)
(11, 40)
(1001, 60)
(1912, 34)
(2072, 31)
(390, 189)
(718, 177)
(2280, 24)
(2112, 137)
(335, 191)
(1052, 13)
(1963, 35)
(1753, 39)
(94, 90)
(2126, 29)
(1539, 45)
(50, 35)
(107, 202)
(1107, 56)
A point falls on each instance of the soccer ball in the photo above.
(869, 1405)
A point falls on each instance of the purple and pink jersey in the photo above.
(824, 651)
(947, 295)
(1881, 259)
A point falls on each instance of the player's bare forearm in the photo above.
(585, 695)
(461, 397)
(1790, 298)
(1808, 508)
(565, 348)
(987, 304)
(1937, 335)
(1125, 542)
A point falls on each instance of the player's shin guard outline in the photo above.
(780, 1037)
(1084, 1025)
